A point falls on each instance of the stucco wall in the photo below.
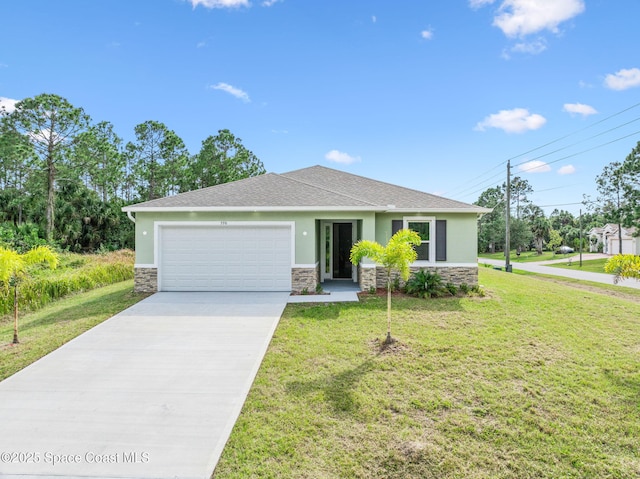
(306, 251)
(462, 234)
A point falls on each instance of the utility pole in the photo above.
(507, 242)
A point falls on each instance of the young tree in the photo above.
(555, 240)
(13, 268)
(51, 124)
(396, 256)
(623, 266)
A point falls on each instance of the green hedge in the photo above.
(97, 271)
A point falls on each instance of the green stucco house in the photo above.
(291, 231)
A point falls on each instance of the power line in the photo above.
(580, 152)
(579, 142)
(501, 164)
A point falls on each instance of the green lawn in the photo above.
(50, 327)
(537, 379)
(527, 256)
(592, 265)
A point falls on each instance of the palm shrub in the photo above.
(396, 256)
(451, 288)
(425, 284)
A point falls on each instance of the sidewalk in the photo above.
(540, 268)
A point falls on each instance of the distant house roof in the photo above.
(612, 229)
(309, 189)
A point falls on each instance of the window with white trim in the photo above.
(425, 227)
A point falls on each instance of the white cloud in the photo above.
(534, 48)
(517, 120)
(427, 34)
(480, 3)
(336, 156)
(579, 109)
(4, 65)
(374, 19)
(518, 18)
(7, 105)
(534, 166)
(269, 3)
(220, 3)
(623, 79)
(567, 170)
(231, 90)
(201, 44)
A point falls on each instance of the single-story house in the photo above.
(291, 231)
(608, 237)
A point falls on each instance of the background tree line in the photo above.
(618, 202)
(64, 178)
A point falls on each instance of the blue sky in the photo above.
(432, 95)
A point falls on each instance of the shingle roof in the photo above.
(312, 188)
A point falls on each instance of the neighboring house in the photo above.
(291, 231)
(607, 237)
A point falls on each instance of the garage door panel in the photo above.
(233, 258)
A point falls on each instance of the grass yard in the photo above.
(50, 327)
(527, 256)
(535, 380)
(592, 265)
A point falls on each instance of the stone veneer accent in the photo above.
(145, 280)
(366, 277)
(302, 278)
(455, 274)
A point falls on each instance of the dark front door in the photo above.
(342, 242)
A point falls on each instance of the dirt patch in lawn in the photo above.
(621, 294)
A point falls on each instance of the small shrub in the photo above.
(319, 289)
(464, 288)
(424, 284)
(372, 290)
(477, 290)
(451, 288)
(304, 291)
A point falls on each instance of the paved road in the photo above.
(153, 392)
(567, 273)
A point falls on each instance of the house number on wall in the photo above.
(223, 223)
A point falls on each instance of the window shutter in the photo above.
(441, 240)
(396, 225)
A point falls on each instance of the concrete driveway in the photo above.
(153, 392)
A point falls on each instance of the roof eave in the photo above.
(477, 210)
(251, 209)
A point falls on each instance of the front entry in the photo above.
(342, 242)
(338, 238)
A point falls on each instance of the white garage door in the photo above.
(225, 258)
